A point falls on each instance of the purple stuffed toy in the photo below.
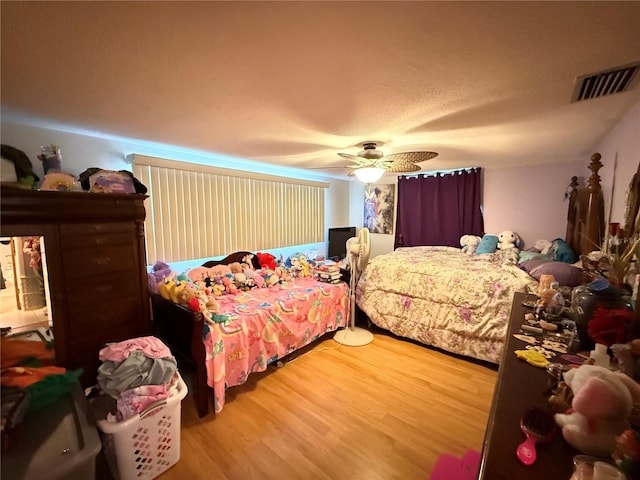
(159, 272)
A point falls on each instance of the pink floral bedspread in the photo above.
(265, 324)
(442, 297)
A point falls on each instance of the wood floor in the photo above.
(383, 411)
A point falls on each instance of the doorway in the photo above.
(24, 286)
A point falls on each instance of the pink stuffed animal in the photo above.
(601, 408)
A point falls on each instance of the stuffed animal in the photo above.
(508, 239)
(165, 287)
(283, 274)
(219, 271)
(197, 274)
(235, 267)
(229, 284)
(157, 275)
(175, 290)
(267, 260)
(543, 246)
(248, 261)
(298, 265)
(469, 243)
(600, 409)
(160, 271)
(188, 292)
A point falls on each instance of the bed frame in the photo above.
(585, 216)
(182, 330)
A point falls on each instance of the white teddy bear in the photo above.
(469, 243)
(508, 239)
(601, 405)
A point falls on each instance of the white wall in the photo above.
(529, 200)
(620, 149)
(82, 150)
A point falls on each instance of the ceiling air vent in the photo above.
(605, 83)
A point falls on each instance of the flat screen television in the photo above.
(338, 242)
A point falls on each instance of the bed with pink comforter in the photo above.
(266, 324)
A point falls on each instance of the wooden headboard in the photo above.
(585, 217)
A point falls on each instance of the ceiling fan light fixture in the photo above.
(369, 174)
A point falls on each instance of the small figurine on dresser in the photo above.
(54, 178)
(51, 158)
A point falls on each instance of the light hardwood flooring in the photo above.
(382, 411)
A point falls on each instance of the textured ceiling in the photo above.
(294, 83)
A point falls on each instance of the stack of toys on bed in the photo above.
(546, 257)
(202, 288)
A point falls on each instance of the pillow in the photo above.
(565, 274)
(529, 265)
(526, 255)
(488, 244)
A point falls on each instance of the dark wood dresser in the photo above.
(96, 265)
(520, 386)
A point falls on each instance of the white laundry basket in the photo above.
(146, 445)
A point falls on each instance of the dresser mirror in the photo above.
(24, 285)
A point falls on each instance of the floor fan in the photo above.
(358, 258)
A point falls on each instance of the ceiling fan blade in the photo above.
(403, 167)
(349, 156)
(411, 157)
(343, 167)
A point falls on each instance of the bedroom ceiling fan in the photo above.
(370, 163)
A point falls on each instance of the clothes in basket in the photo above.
(148, 443)
(136, 372)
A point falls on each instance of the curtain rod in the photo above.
(441, 173)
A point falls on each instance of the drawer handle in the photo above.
(101, 240)
(104, 288)
(102, 260)
(98, 228)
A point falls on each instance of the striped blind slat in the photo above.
(195, 211)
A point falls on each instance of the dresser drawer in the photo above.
(84, 350)
(98, 290)
(98, 241)
(106, 316)
(98, 261)
(76, 229)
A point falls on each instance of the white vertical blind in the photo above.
(195, 211)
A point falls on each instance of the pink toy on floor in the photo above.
(449, 467)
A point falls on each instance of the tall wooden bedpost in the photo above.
(593, 232)
(572, 229)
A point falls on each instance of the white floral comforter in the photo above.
(442, 297)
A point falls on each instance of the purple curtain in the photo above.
(439, 209)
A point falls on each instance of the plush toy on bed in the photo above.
(508, 239)
(543, 246)
(601, 407)
(298, 265)
(159, 272)
(469, 243)
(267, 260)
